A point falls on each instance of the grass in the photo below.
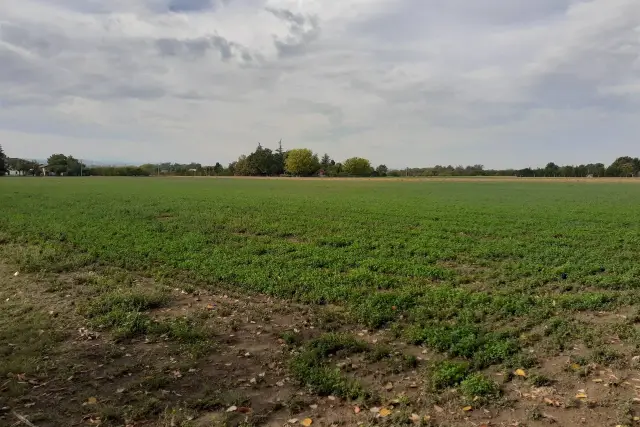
(313, 369)
(480, 272)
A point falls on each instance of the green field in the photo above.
(494, 273)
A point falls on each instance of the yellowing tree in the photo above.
(357, 166)
(301, 162)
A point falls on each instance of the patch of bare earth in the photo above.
(59, 369)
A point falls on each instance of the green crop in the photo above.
(479, 271)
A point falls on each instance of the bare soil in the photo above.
(58, 371)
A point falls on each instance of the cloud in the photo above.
(303, 31)
(404, 82)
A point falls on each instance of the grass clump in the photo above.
(448, 374)
(312, 367)
(477, 386)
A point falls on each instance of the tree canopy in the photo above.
(302, 162)
(357, 166)
(3, 162)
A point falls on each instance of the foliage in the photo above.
(478, 386)
(473, 271)
(302, 162)
(357, 166)
(3, 162)
(448, 374)
(382, 170)
(61, 164)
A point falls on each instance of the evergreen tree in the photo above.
(3, 163)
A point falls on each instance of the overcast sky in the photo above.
(402, 82)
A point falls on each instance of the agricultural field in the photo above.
(250, 302)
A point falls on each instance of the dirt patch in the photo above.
(233, 367)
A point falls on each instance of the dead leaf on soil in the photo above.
(438, 408)
(307, 422)
(232, 408)
(552, 402)
(467, 408)
(91, 401)
(520, 373)
(384, 412)
(243, 410)
(581, 396)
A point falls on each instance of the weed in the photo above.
(539, 380)
(478, 386)
(448, 374)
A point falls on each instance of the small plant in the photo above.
(478, 386)
(291, 338)
(540, 380)
(448, 374)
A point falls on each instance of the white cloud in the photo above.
(405, 82)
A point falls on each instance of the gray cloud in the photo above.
(303, 30)
(190, 5)
(198, 47)
(499, 82)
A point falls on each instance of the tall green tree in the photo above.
(302, 162)
(325, 162)
(279, 158)
(3, 162)
(58, 164)
(357, 166)
(382, 170)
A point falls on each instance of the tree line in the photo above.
(304, 162)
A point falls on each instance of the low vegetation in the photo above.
(480, 278)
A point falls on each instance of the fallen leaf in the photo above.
(437, 408)
(209, 307)
(415, 418)
(575, 366)
(243, 410)
(467, 408)
(356, 409)
(307, 422)
(92, 401)
(581, 396)
(551, 402)
(374, 410)
(384, 412)
(597, 380)
(232, 408)
(313, 406)
(293, 421)
(520, 373)
(120, 391)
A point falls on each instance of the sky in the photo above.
(503, 83)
